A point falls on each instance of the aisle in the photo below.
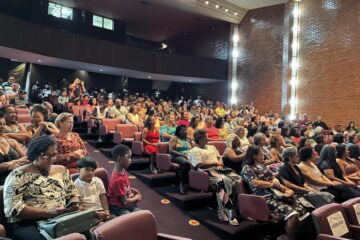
(177, 224)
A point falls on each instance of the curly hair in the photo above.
(39, 145)
(39, 108)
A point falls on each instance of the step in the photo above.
(81, 130)
(246, 230)
(192, 200)
(88, 136)
(156, 180)
(102, 144)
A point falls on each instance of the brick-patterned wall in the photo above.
(329, 71)
(259, 69)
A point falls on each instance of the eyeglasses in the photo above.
(48, 156)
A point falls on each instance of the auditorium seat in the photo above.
(331, 223)
(24, 118)
(252, 206)
(23, 111)
(137, 146)
(108, 126)
(352, 208)
(124, 133)
(163, 160)
(78, 112)
(133, 226)
(200, 180)
(220, 146)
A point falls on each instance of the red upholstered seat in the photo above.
(108, 125)
(220, 146)
(23, 111)
(124, 132)
(331, 223)
(24, 118)
(138, 225)
(163, 160)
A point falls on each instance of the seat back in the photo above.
(2, 214)
(133, 226)
(23, 118)
(127, 130)
(23, 111)
(78, 110)
(220, 146)
(352, 210)
(74, 176)
(243, 187)
(103, 175)
(331, 219)
(110, 123)
(163, 147)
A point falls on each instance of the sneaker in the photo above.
(153, 170)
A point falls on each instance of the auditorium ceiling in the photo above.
(159, 20)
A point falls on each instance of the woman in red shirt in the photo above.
(150, 138)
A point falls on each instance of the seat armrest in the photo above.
(199, 180)
(2, 231)
(163, 236)
(137, 136)
(163, 161)
(254, 207)
(72, 236)
(355, 229)
(329, 237)
(103, 130)
(137, 148)
(117, 137)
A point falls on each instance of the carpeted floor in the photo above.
(169, 218)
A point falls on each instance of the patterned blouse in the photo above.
(66, 148)
(23, 189)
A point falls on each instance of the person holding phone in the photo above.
(38, 191)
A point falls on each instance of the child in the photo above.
(122, 197)
(91, 189)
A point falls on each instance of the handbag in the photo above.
(67, 223)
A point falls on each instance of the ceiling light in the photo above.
(149, 77)
(226, 10)
(39, 60)
(189, 80)
(217, 6)
(235, 13)
(207, 2)
(163, 46)
(101, 70)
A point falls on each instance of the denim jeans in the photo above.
(118, 211)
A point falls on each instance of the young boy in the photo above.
(91, 189)
(122, 197)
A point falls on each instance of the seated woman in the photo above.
(316, 180)
(184, 118)
(348, 168)
(319, 143)
(37, 191)
(354, 154)
(168, 129)
(292, 177)
(211, 130)
(194, 124)
(179, 147)
(286, 141)
(39, 126)
(233, 156)
(304, 142)
(219, 124)
(206, 158)
(151, 138)
(99, 113)
(13, 129)
(261, 181)
(133, 116)
(153, 113)
(70, 146)
(12, 155)
(275, 152)
(241, 133)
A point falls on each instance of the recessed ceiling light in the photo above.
(39, 60)
(235, 13)
(226, 10)
(217, 6)
(101, 70)
(207, 2)
(149, 77)
(190, 80)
